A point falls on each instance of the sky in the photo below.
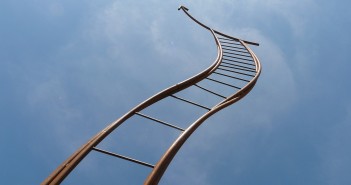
(69, 68)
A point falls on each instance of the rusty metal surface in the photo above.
(67, 166)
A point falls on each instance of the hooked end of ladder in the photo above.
(183, 8)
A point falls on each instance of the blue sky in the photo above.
(68, 68)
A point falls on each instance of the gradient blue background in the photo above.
(68, 68)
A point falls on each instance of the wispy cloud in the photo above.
(75, 67)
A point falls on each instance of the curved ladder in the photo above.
(235, 61)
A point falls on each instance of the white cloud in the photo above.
(111, 28)
(274, 94)
(297, 13)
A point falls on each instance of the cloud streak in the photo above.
(70, 68)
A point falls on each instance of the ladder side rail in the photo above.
(60, 173)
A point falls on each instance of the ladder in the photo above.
(229, 78)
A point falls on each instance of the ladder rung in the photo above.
(238, 62)
(253, 69)
(210, 91)
(236, 72)
(159, 121)
(238, 58)
(176, 97)
(223, 83)
(231, 76)
(235, 43)
(237, 54)
(233, 47)
(235, 50)
(227, 39)
(238, 68)
(124, 157)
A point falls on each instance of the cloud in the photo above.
(274, 94)
(71, 68)
(297, 13)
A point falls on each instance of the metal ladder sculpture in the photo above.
(235, 61)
